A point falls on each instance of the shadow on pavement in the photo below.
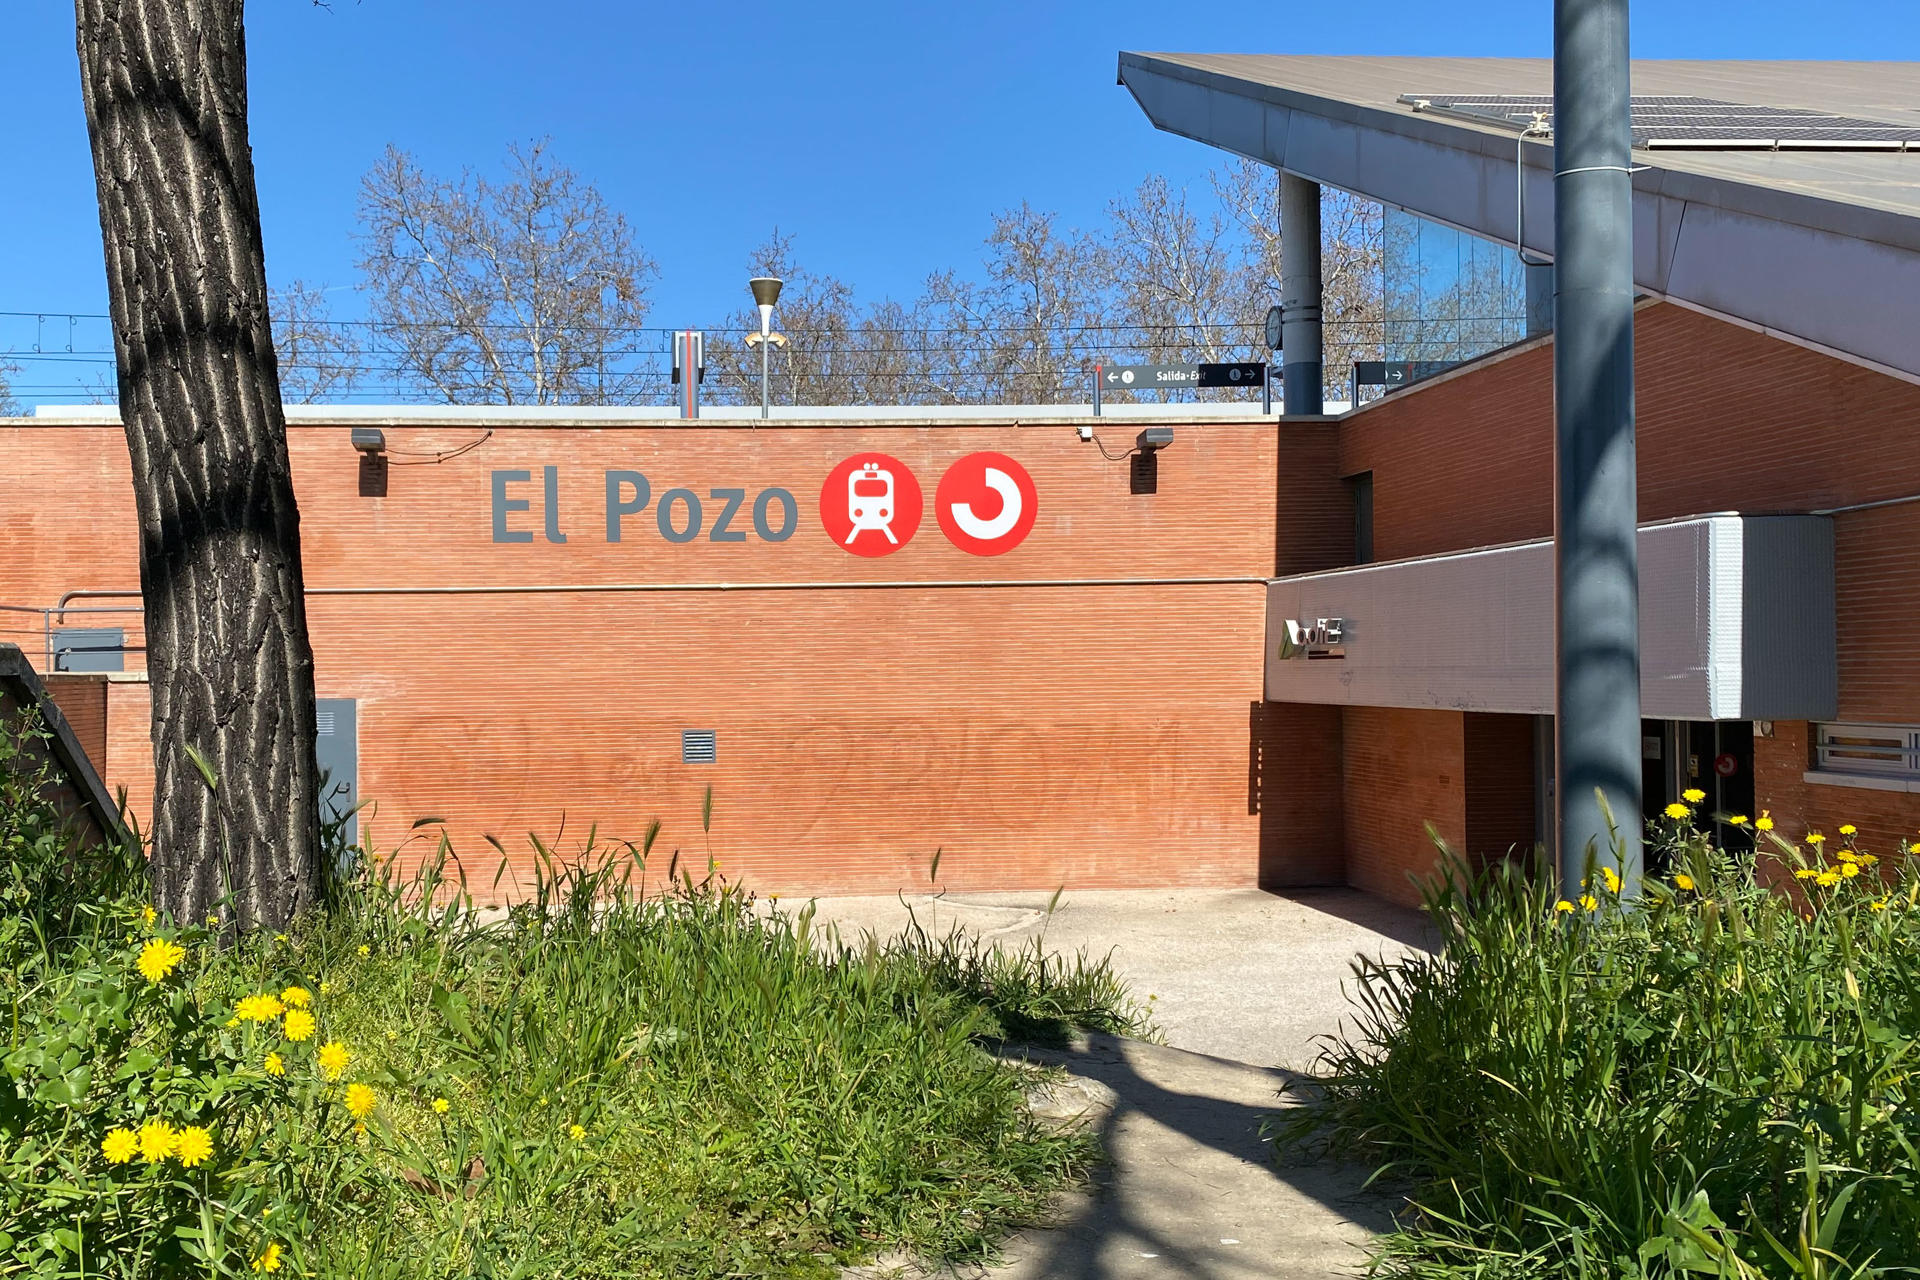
(1192, 1188)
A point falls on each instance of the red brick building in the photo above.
(1053, 673)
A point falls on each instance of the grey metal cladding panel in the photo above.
(1846, 294)
(1791, 666)
(1474, 631)
(81, 649)
(337, 752)
(1237, 123)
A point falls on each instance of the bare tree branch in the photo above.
(520, 292)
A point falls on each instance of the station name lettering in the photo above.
(679, 515)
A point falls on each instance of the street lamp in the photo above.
(766, 292)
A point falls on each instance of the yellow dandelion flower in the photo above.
(363, 951)
(1763, 822)
(1677, 810)
(1827, 879)
(1866, 859)
(359, 1129)
(577, 1132)
(269, 1259)
(261, 1008)
(1737, 820)
(1683, 881)
(1693, 795)
(275, 1065)
(299, 1025)
(441, 1106)
(361, 1099)
(296, 997)
(1805, 873)
(1846, 855)
(156, 1141)
(333, 1059)
(148, 915)
(120, 1145)
(1815, 838)
(1589, 902)
(1612, 878)
(159, 958)
(1563, 905)
(1848, 870)
(1847, 828)
(192, 1145)
(1878, 904)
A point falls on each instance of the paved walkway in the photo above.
(1245, 981)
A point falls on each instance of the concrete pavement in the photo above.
(1245, 983)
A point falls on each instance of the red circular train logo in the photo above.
(986, 504)
(870, 504)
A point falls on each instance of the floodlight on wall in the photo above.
(370, 440)
(1154, 438)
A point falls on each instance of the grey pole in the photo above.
(764, 344)
(1300, 341)
(1596, 562)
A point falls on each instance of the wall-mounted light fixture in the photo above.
(1154, 438)
(371, 444)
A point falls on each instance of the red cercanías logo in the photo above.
(870, 504)
(986, 504)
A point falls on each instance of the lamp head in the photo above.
(766, 290)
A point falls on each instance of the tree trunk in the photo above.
(165, 86)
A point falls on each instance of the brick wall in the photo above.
(1726, 420)
(82, 699)
(1037, 735)
(1498, 751)
(1294, 785)
(1404, 769)
(1780, 765)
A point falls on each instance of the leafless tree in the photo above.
(319, 360)
(526, 291)
(236, 828)
(8, 405)
(1177, 280)
(1026, 332)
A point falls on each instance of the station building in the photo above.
(1269, 651)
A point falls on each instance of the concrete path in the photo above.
(1245, 982)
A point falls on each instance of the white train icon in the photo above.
(870, 502)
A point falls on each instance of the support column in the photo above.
(1597, 600)
(1300, 336)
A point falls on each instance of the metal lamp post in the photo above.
(1597, 704)
(766, 292)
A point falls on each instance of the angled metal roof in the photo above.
(1818, 246)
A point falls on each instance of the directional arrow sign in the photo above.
(1232, 375)
(1144, 377)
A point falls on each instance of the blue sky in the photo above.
(882, 135)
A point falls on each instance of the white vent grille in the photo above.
(323, 722)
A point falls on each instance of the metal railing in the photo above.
(39, 630)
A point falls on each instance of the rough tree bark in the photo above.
(165, 87)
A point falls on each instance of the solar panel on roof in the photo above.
(1680, 122)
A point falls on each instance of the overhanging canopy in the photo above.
(1822, 247)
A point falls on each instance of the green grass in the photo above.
(663, 1083)
(1716, 1081)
